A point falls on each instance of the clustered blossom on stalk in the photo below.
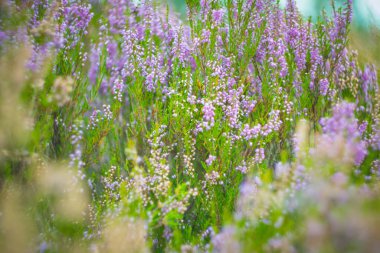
(62, 22)
(73, 21)
(208, 115)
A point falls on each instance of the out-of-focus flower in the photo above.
(61, 90)
(210, 160)
(341, 139)
(225, 241)
(323, 86)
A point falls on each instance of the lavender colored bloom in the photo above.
(208, 113)
(360, 152)
(205, 8)
(210, 160)
(184, 51)
(116, 16)
(112, 51)
(341, 22)
(205, 36)
(225, 241)
(374, 140)
(259, 155)
(344, 125)
(343, 117)
(362, 127)
(150, 81)
(250, 133)
(217, 16)
(323, 86)
(273, 125)
(292, 21)
(94, 64)
(369, 81)
(39, 54)
(75, 20)
(248, 106)
(193, 64)
(242, 168)
(118, 89)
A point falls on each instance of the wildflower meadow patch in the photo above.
(242, 127)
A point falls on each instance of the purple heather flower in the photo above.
(250, 133)
(259, 155)
(208, 112)
(363, 127)
(217, 16)
(118, 89)
(116, 16)
(242, 168)
(323, 86)
(341, 22)
(193, 63)
(225, 241)
(210, 160)
(369, 81)
(94, 64)
(111, 46)
(205, 36)
(75, 19)
(204, 8)
(273, 125)
(343, 124)
(374, 140)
